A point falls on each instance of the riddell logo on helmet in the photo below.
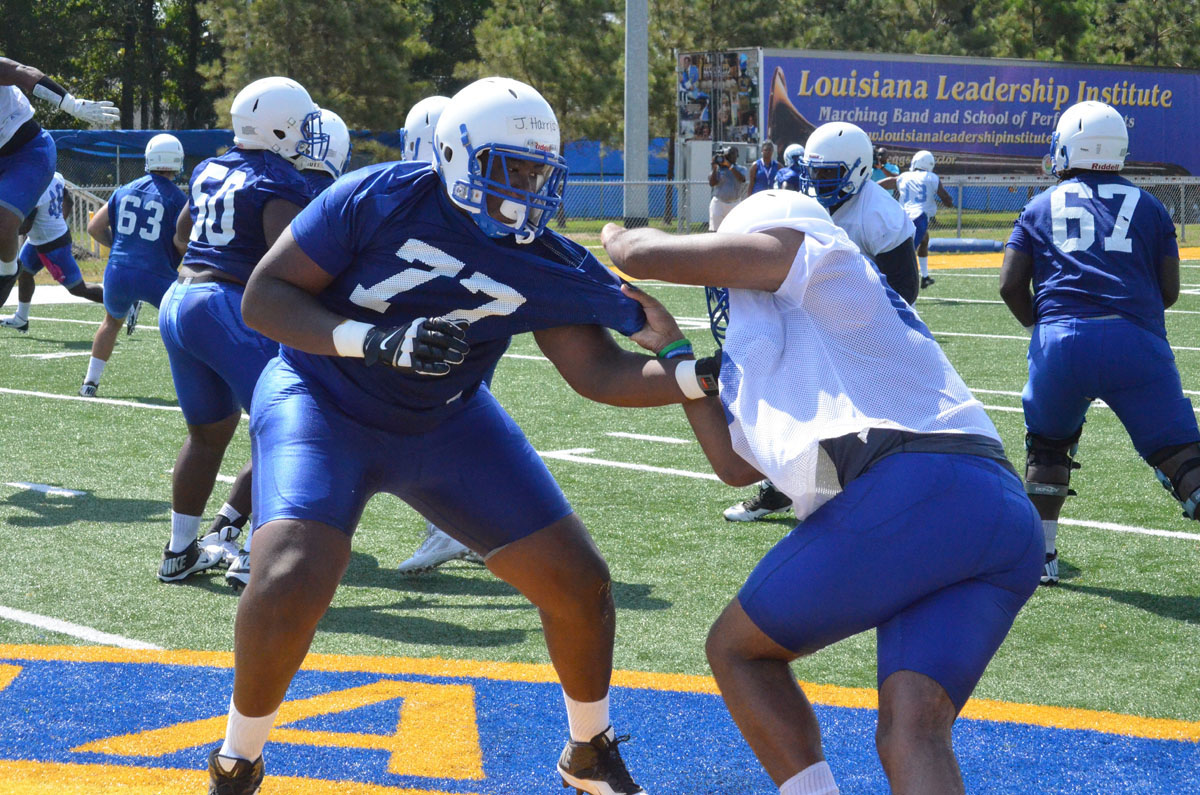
(541, 146)
(1105, 167)
(532, 124)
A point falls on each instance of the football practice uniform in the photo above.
(329, 432)
(143, 261)
(215, 357)
(27, 154)
(48, 243)
(787, 178)
(918, 196)
(836, 391)
(873, 220)
(1096, 242)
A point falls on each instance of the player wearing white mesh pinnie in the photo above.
(919, 190)
(913, 522)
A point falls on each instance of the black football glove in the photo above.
(425, 346)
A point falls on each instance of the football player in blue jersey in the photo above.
(137, 225)
(788, 177)
(392, 295)
(239, 204)
(1101, 256)
(27, 152)
(320, 174)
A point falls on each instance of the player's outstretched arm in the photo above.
(37, 84)
(707, 418)
(759, 261)
(1016, 276)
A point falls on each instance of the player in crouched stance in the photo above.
(912, 520)
(368, 394)
(1102, 259)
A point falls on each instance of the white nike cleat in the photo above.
(436, 549)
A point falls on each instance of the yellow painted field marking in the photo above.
(7, 674)
(57, 778)
(832, 695)
(436, 733)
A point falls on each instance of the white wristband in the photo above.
(685, 376)
(349, 338)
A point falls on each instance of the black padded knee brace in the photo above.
(1178, 470)
(1053, 460)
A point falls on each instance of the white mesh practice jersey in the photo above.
(49, 224)
(918, 192)
(874, 220)
(15, 110)
(829, 355)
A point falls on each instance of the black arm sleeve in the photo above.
(900, 267)
(49, 91)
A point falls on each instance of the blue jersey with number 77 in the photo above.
(141, 217)
(1097, 241)
(398, 249)
(228, 195)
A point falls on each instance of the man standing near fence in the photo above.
(727, 179)
(763, 170)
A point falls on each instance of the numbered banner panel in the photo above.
(99, 720)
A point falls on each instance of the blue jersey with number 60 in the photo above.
(398, 249)
(141, 217)
(1096, 241)
(228, 194)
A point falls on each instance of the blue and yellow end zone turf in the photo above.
(97, 720)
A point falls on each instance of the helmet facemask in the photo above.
(829, 182)
(314, 141)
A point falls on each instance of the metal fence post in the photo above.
(958, 233)
(1183, 212)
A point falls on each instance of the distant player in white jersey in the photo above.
(836, 171)
(48, 245)
(27, 152)
(919, 190)
(912, 520)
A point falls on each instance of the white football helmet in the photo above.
(763, 210)
(277, 114)
(1091, 136)
(922, 161)
(485, 128)
(416, 139)
(338, 154)
(793, 155)
(838, 158)
(164, 152)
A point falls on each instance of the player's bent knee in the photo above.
(914, 711)
(1178, 470)
(1049, 463)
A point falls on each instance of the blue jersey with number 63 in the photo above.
(141, 217)
(398, 249)
(1096, 241)
(228, 194)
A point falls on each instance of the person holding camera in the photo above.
(726, 179)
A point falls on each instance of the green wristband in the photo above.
(666, 350)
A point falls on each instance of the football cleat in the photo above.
(436, 549)
(15, 322)
(221, 542)
(178, 566)
(1050, 572)
(238, 575)
(926, 281)
(596, 767)
(228, 775)
(769, 500)
(132, 317)
(88, 389)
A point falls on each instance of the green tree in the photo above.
(354, 56)
(450, 33)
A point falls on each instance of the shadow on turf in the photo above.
(70, 345)
(43, 510)
(1176, 608)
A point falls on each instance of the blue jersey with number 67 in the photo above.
(398, 250)
(1096, 241)
(141, 217)
(228, 194)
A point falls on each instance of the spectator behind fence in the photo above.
(763, 170)
(726, 179)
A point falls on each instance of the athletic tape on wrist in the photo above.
(349, 338)
(685, 376)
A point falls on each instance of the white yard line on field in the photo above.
(45, 488)
(74, 630)
(648, 438)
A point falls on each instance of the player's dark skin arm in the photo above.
(759, 261)
(945, 196)
(900, 267)
(707, 418)
(889, 183)
(27, 224)
(183, 228)
(1016, 276)
(1168, 280)
(277, 216)
(17, 74)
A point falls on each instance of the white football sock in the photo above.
(245, 737)
(1050, 531)
(813, 780)
(8, 268)
(586, 718)
(230, 513)
(22, 310)
(184, 529)
(924, 263)
(95, 370)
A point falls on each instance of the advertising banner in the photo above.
(979, 116)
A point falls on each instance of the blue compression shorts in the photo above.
(124, 287)
(59, 261)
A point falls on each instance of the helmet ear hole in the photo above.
(447, 153)
(280, 134)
